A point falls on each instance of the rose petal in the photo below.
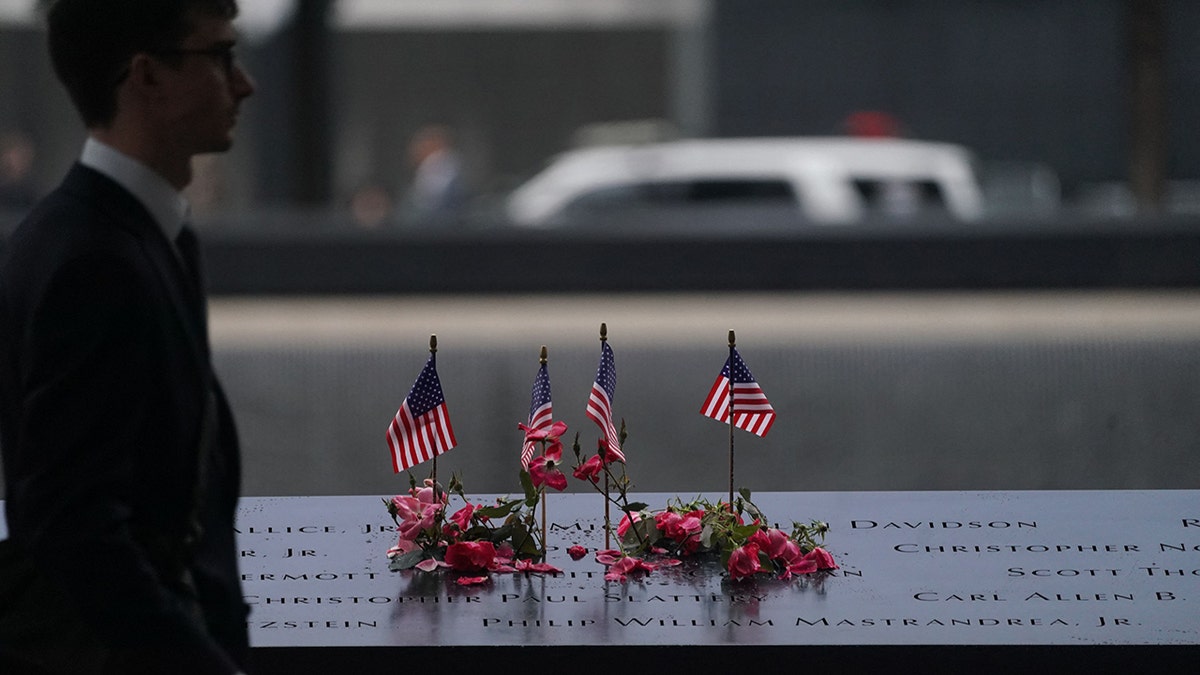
(429, 565)
(471, 581)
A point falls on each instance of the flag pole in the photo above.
(433, 355)
(607, 506)
(731, 397)
(542, 359)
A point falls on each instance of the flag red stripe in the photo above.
(413, 441)
(599, 410)
(540, 419)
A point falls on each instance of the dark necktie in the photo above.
(189, 250)
(208, 459)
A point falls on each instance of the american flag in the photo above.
(599, 407)
(540, 411)
(751, 410)
(421, 429)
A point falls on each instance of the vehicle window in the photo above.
(665, 194)
(900, 199)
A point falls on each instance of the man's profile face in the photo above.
(206, 89)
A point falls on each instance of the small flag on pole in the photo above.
(599, 407)
(751, 410)
(540, 411)
(421, 429)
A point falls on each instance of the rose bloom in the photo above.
(744, 562)
(590, 470)
(822, 558)
(462, 517)
(470, 556)
(608, 455)
(576, 552)
(551, 434)
(414, 515)
(801, 566)
(626, 522)
(676, 526)
(544, 471)
(776, 544)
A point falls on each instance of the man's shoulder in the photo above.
(82, 227)
(87, 208)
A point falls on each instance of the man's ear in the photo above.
(145, 73)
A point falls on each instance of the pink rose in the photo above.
(608, 455)
(544, 471)
(677, 527)
(775, 543)
(744, 562)
(626, 521)
(576, 552)
(462, 517)
(414, 515)
(822, 558)
(471, 581)
(590, 470)
(551, 435)
(470, 556)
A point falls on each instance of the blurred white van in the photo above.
(822, 180)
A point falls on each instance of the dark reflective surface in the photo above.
(917, 568)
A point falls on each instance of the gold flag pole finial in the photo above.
(542, 357)
(433, 344)
(603, 332)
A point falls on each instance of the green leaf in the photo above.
(406, 561)
(477, 533)
(634, 507)
(741, 533)
(523, 542)
(527, 486)
(745, 493)
(500, 510)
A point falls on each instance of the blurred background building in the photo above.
(1094, 98)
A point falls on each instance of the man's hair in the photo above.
(92, 42)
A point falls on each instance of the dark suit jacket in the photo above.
(105, 375)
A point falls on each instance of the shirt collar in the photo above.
(166, 205)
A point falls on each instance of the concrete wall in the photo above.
(876, 392)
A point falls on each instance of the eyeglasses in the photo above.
(223, 55)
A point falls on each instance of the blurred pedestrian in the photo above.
(17, 191)
(371, 206)
(121, 461)
(437, 189)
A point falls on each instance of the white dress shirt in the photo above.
(166, 205)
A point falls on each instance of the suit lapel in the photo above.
(126, 212)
